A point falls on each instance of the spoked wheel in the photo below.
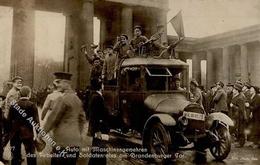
(158, 142)
(221, 148)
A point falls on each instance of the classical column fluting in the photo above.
(225, 65)
(23, 37)
(210, 69)
(196, 68)
(127, 21)
(87, 38)
(244, 62)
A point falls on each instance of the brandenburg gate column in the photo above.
(22, 53)
(87, 24)
(196, 69)
(244, 63)
(225, 65)
(210, 69)
(127, 21)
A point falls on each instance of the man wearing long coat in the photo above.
(66, 120)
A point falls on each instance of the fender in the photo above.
(221, 117)
(165, 119)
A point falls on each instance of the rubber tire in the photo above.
(147, 142)
(228, 144)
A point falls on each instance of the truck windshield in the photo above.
(165, 78)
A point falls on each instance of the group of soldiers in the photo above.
(240, 101)
(105, 63)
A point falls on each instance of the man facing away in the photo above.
(220, 99)
(22, 127)
(50, 100)
(67, 121)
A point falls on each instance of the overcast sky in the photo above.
(207, 17)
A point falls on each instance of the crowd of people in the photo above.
(240, 101)
(62, 108)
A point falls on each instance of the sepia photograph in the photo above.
(129, 82)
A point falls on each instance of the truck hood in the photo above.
(167, 103)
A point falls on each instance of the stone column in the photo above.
(196, 69)
(210, 69)
(87, 24)
(225, 65)
(22, 54)
(244, 62)
(103, 31)
(163, 22)
(127, 21)
(72, 46)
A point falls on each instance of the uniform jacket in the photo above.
(49, 102)
(66, 120)
(247, 95)
(209, 100)
(239, 105)
(96, 72)
(124, 51)
(197, 96)
(255, 106)
(20, 124)
(135, 43)
(220, 100)
(97, 114)
(109, 66)
(13, 94)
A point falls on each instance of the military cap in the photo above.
(247, 84)
(238, 86)
(213, 86)
(125, 36)
(93, 46)
(193, 81)
(221, 84)
(138, 27)
(17, 78)
(176, 77)
(63, 75)
(109, 46)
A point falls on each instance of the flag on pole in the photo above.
(177, 24)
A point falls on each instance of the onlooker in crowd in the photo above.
(97, 124)
(50, 100)
(238, 107)
(12, 95)
(109, 67)
(255, 110)
(209, 98)
(220, 99)
(66, 121)
(22, 127)
(137, 43)
(2, 98)
(229, 91)
(246, 92)
(196, 96)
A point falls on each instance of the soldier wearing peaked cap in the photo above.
(137, 42)
(196, 95)
(12, 95)
(238, 107)
(66, 121)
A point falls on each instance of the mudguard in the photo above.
(221, 117)
(165, 119)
